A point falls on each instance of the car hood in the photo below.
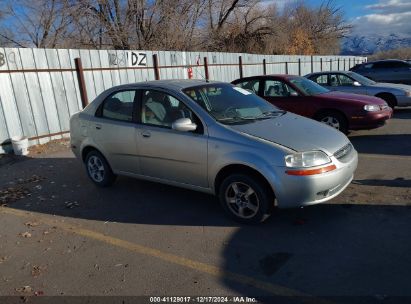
(403, 87)
(296, 132)
(340, 96)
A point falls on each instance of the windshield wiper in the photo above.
(269, 114)
(234, 118)
(264, 115)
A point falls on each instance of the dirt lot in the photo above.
(60, 235)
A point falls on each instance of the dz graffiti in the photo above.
(137, 59)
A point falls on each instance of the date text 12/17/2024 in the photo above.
(200, 299)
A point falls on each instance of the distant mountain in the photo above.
(366, 45)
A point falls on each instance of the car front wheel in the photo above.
(335, 120)
(99, 170)
(245, 199)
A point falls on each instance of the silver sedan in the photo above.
(394, 94)
(215, 138)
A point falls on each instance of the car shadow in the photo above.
(402, 113)
(397, 182)
(343, 253)
(383, 144)
(325, 250)
(64, 181)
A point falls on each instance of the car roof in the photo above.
(179, 84)
(384, 60)
(328, 72)
(283, 76)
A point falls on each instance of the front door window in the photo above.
(276, 88)
(161, 109)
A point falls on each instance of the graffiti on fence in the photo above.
(137, 59)
(11, 58)
(117, 59)
(2, 60)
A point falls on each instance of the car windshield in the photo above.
(229, 104)
(308, 87)
(361, 79)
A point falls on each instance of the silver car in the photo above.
(394, 94)
(215, 138)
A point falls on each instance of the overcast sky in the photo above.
(385, 17)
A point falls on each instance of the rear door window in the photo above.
(320, 79)
(119, 106)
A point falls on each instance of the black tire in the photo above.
(98, 169)
(261, 198)
(334, 119)
(389, 99)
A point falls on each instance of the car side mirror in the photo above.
(294, 94)
(184, 125)
(356, 84)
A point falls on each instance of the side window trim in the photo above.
(134, 117)
(262, 89)
(261, 84)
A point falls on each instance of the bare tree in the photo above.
(324, 26)
(41, 23)
(138, 23)
(238, 26)
(210, 25)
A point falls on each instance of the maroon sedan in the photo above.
(299, 95)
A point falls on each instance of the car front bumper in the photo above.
(370, 120)
(295, 191)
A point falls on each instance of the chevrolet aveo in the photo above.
(215, 138)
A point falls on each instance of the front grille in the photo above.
(343, 152)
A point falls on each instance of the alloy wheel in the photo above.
(331, 121)
(242, 200)
(95, 169)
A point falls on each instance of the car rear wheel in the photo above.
(99, 170)
(245, 199)
(335, 120)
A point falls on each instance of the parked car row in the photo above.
(227, 140)
(343, 111)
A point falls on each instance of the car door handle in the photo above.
(98, 126)
(146, 134)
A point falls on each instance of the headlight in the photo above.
(408, 93)
(307, 159)
(371, 108)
